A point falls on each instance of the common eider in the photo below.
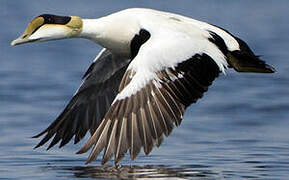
(153, 65)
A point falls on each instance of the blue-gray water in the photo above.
(239, 129)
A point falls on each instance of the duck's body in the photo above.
(117, 37)
(154, 64)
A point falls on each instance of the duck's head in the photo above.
(50, 27)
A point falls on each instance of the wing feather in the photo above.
(110, 147)
(101, 141)
(157, 130)
(153, 95)
(90, 103)
(135, 137)
(122, 145)
(141, 120)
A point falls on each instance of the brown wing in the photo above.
(142, 119)
(90, 103)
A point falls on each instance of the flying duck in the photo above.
(153, 65)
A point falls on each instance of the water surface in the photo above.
(239, 129)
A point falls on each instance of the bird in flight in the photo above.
(153, 65)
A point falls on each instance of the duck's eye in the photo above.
(49, 20)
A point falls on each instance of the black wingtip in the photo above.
(38, 135)
(43, 141)
(35, 136)
(37, 146)
(63, 143)
(50, 146)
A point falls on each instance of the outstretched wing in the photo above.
(91, 101)
(171, 71)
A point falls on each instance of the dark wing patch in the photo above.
(137, 41)
(142, 119)
(219, 42)
(90, 103)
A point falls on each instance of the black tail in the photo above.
(244, 60)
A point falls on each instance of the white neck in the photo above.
(107, 33)
(92, 29)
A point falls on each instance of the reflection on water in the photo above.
(138, 172)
